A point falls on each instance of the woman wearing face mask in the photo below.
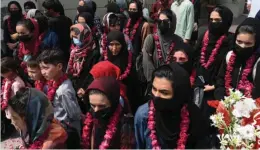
(111, 22)
(28, 35)
(210, 51)
(9, 26)
(83, 56)
(32, 115)
(105, 125)
(119, 55)
(169, 120)
(212, 47)
(158, 47)
(183, 56)
(136, 27)
(238, 71)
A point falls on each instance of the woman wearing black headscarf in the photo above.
(32, 115)
(169, 120)
(105, 126)
(158, 47)
(210, 51)
(136, 27)
(9, 26)
(86, 17)
(239, 70)
(183, 55)
(118, 53)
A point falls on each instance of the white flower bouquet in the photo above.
(238, 120)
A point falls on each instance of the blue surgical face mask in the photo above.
(77, 42)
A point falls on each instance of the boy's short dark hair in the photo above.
(9, 64)
(54, 57)
(32, 63)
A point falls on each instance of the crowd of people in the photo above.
(127, 81)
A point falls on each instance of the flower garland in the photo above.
(109, 134)
(39, 84)
(243, 84)
(6, 90)
(104, 46)
(127, 28)
(213, 53)
(184, 126)
(53, 86)
(159, 50)
(128, 68)
(38, 143)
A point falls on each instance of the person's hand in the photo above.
(208, 88)
(186, 41)
(248, 6)
(11, 45)
(158, 12)
(195, 26)
(14, 36)
(81, 93)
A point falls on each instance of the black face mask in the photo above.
(216, 28)
(15, 13)
(25, 38)
(133, 15)
(164, 26)
(186, 65)
(243, 53)
(162, 104)
(101, 114)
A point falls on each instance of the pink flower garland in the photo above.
(38, 143)
(243, 84)
(214, 52)
(39, 84)
(6, 93)
(184, 127)
(104, 45)
(128, 68)
(159, 50)
(109, 134)
(53, 86)
(127, 28)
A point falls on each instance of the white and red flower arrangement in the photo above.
(238, 121)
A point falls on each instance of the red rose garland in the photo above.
(38, 143)
(243, 84)
(213, 53)
(159, 50)
(109, 134)
(128, 68)
(104, 46)
(39, 84)
(53, 86)
(184, 127)
(6, 93)
(127, 28)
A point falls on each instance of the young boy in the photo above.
(62, 95)
(35, 74)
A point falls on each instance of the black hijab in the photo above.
(189, 52)
(120, 60)
(15, 17)
(253, 23)
(227, 19)
(88, 18)
(85, 8)
(168, 122)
